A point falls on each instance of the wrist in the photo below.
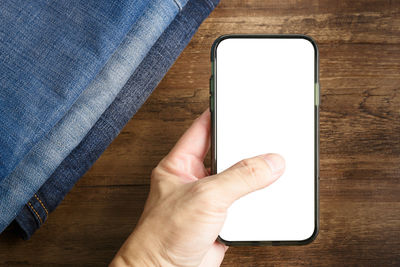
(141, 250)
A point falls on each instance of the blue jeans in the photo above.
(130, 98)
(43, 159)
(49, 52)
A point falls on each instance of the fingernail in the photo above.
(276, 163)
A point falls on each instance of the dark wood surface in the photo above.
(359, 44)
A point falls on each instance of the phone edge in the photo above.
(317, 98)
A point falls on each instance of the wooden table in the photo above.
(359, 45)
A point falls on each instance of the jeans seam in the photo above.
(41, 203)
(35, 212)
(178, 4)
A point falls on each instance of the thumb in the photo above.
(247, 176)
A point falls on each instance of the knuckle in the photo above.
(159, 181)
(253, 171)
(252, 167)
(156, 173)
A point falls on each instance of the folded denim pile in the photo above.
(72, 75)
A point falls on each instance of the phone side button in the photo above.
(211, 84)
(317, 94)
(211, 103)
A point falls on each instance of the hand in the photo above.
(186, 207)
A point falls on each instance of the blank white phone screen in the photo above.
(265, 104)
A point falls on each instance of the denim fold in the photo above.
(139, 86)
(43, 159)
(49, 52)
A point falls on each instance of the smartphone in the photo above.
(264, 98)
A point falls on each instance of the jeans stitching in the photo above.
(178, 4)
(41, 203)
(37, 214)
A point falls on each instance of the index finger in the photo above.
(195, 142)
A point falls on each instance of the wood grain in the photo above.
(359, 44)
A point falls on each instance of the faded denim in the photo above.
(130, 98)
(49, 152)
(49, 52)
